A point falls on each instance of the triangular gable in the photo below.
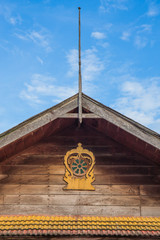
(110, 122)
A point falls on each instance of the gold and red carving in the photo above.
(79, 173)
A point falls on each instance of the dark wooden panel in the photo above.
(23, 169)
(10, 170)
(9, 179)
(11, 189)
(122, 170)
(58, 179)
(150, 201)
(109, 159)
(109, 170)
(130, 179)
(53, 148)
(151, 190)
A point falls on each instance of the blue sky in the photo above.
(120, 56)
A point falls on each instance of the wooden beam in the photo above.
(76, 115)
(121, 121)
(38, 122)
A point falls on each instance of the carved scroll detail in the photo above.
(79, 172)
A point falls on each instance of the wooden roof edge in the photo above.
(145, 133)
(36, 117)
(142, 127)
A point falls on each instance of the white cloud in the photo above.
(141, 103)
(98, 35)
(7, 12)
(40, 60)
(107, 5)
(140, 41)
(145, 28)
(40, 38)
(42, 89)
(92, 65)
(154, 10)
(125, 35)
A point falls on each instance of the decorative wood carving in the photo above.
(79, 165)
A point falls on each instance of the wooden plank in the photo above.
(108, 210)
(121, 170)
(99, 179)
(126, 179)
(69, 210)
(56, 169)
(11, 189)
(11, 199)
(53, 159)
(109, 170)
(23, 209)
(58, 190)
(34, 199)
(23, 169)
(37, 210)
(56, 179)
(75, 115)
(150, 190)
(33, 189)
(64, 200)
(1, 199)
(150, 211)
(126, 190)
(34, 179)
(34, 170)
(52, 148)
(10, 170)
(10, 179)
(150, 201)
(94, 200)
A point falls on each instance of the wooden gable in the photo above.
(127, 169)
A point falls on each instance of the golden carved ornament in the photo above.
(79, 165)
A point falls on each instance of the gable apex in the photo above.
(96, 112)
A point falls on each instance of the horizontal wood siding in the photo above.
(31, 182)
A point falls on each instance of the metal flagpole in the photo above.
(80, 77)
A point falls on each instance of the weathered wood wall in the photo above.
(31, 182)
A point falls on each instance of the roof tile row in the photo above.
(68, 225)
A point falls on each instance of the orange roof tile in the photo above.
(72, 225)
